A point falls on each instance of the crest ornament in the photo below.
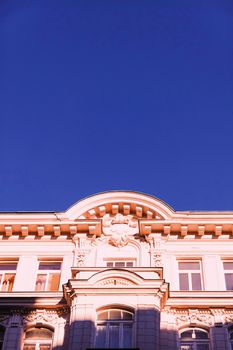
(119, 227)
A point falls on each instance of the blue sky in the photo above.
(112, 94)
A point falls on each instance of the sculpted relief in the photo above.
(119, 228)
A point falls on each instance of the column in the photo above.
(147, 327)
(168, 332)
(219, 338)
(82, 326)
(59, 334)
(13, 334)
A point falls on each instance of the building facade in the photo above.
(117, 270)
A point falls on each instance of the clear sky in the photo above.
(116, 94)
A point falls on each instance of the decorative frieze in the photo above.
(193, 317)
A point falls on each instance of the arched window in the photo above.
(2, 332)
(38, 338)
(114, 329)
(194, 339)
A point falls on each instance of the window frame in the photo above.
(48, 273)
(38, 342)
(114, 261)
(189, 272)
(227, 272)
(196, 341)
(3, 273)
(108, 322)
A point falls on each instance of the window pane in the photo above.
(9, 266)
(129, 264)
(103, 315)
(100, 341)
(40, 282)
(228, 265)
(127, 335)
(53, 282)
(29, 347)
(196, 281)
(186, 347)
(189, 265)
(200, 334)
(202, 347)
(120, 264)
(50, 266)
(109, 264)
(45, 347)
(127, 315)
(114, 336)
(39, 333)
(184, 281)
(229, 281)
(115, 314)
(187, 335)
(8, 281)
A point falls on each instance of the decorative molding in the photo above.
(111, 282)
(42, 315)
(80, 251)
(193, 317)
(156, 249)
(119, 227)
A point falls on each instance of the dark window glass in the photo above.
(229, 281)
(120, 264)
(228, 265)
(49, 266)
(109, 264)
(8, 266)
(196, 281)
(189, 265)
(184, 281)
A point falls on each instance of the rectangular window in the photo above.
(120, 263)
(190, 275)
(48, 277)
(228, 273)
(7, 275)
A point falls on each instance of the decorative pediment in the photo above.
(139, 206)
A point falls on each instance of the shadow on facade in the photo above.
(149, 333)
(146, 334)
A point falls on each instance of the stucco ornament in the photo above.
(119, 227)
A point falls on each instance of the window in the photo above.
(114, 329)
(194, 339)
(2, 332)
(38, 339)
(228, 272)
(7, 276)
(190, 275)
(120, 263)
(48, 277)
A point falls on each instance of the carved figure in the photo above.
(120, 228)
